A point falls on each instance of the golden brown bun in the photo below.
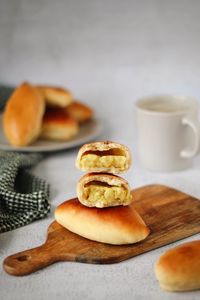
(58, 125)
(117, 225)
(178, 269)
(22, 118)
(105, 156)
(103, 190)
(55, 96)
(80, 112)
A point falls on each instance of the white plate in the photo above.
(88, 132)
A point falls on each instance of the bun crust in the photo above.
(103, 190)
(80, 112)
(55, 96)
(178, 269)
(22, 118)
(58, 125)
(116, 225)
(105, 156)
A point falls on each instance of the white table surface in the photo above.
(109, 53)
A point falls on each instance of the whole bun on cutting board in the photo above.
(178, 269)
(22, 118)
(103, 190)
(118, 225)
(103, 156)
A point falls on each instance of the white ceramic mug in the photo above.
(168, 132)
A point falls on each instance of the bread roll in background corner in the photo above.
(22, 118)
(178, 269)
(118, 225)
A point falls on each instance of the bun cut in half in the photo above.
(113, 225)
(178, 269)
(103, 157)
(22, 118)
(103, 190)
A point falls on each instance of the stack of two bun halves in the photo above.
(103, 211)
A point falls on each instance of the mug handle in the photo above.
(195, 128)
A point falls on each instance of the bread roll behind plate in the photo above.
(79, 111)
(114, 225)
(103, 190)
(178, 269)
(55, 96)
(22, 118)
(105, 156)
(58, 125)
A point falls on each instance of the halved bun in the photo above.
(55, 96)
(114, 225)
(103, 156)
(22, 118)
(58, 125)
(178, 269)
(79, 111)
(103, 190)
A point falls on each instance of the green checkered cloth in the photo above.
(23, 196)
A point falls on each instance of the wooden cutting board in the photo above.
(171, 215)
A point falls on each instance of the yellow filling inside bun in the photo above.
(102, 196)
(105, 161)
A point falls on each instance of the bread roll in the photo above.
(103, 190)
(103, 157)
(113, 225)
(22, 118)
(58, 125)
(178, 269)
(80, 112)
(55, 96)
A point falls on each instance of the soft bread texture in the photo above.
(178, 269)
(117, 225)
(105, 156)
(55, 96)
(58, 125)
(80, 112)
(22, 118)
(103, 190)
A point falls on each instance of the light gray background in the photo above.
(109, 53)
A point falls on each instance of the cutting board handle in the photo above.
(26, 262)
